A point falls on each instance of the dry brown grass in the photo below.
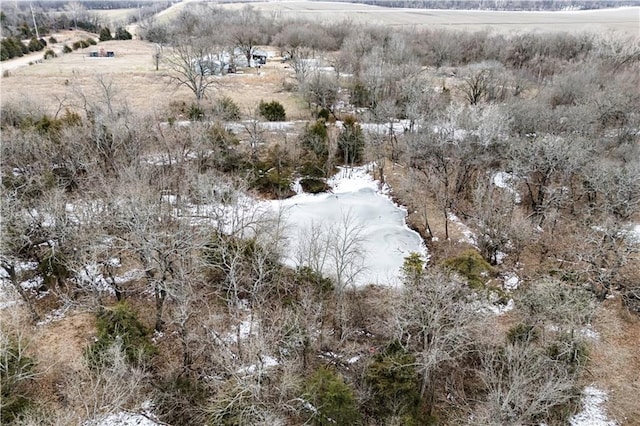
(615, 361)
(57, 83)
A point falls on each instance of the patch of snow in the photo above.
(32, 283)
(123, 418)
(398, 127)
(589, 333)
(469, 236)
(54, 316)
(266, 362)
(271, 126)
(634, 233)
(353, 359)
(329, 354)
(246, 329)
(511, 282)
(114, 262)
(593, 413)
(501, 309)
(505, 181)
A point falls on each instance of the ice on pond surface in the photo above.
(385, 238)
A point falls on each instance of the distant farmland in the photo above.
(620, 19)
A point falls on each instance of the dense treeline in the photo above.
(531, 140)
(16, 17)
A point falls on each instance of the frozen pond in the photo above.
(358, 208)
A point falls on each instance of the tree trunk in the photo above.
(160, 294)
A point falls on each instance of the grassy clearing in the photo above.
(57, 82)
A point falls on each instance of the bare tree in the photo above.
(436, 318)
(248, 32)
(76, 9)
(193, 64)
(523, 385)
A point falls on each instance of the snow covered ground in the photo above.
(386, 238)
(123, 418)
(593, 413)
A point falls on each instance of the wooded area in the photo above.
(141, 229)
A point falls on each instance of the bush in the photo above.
(315, 139)
(49, 54)
(105, 34)
(332, 399)
(76, 45)
(360, 95)
(120, 323)
(11, 47)
(53, 266)
(272, 180)
(314, 186)
(393, 380)
(471, 266)
(226, 109)
(522, 333)
(91, 41)
(16, 370)
(66, 49)
(350, 141)
(122, 34)
(272, 111)
(305, 274)
(52, 40)
(195, 113)
(35, 45)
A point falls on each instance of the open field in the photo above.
(58, 82)
(621, 19)
(115, 17)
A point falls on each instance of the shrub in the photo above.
(395, 390)
(120, 323)
(52, 40)
(35, 45)
(272, 111)
(226, 109)
(360, 95)
(16, 369)
(471, 266)
(313, 185)
(522, 333)
(315, 139)
(272, 180)
(332, 399)
(195, 113)
(49, 54)
(122, 34)
(11, 47)
(570, 351)
(53, 266)
(323, 114)
(91, 41)
(66, 49)
(105, 34)
(350, 141)
(76, 45)
(320, 283)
